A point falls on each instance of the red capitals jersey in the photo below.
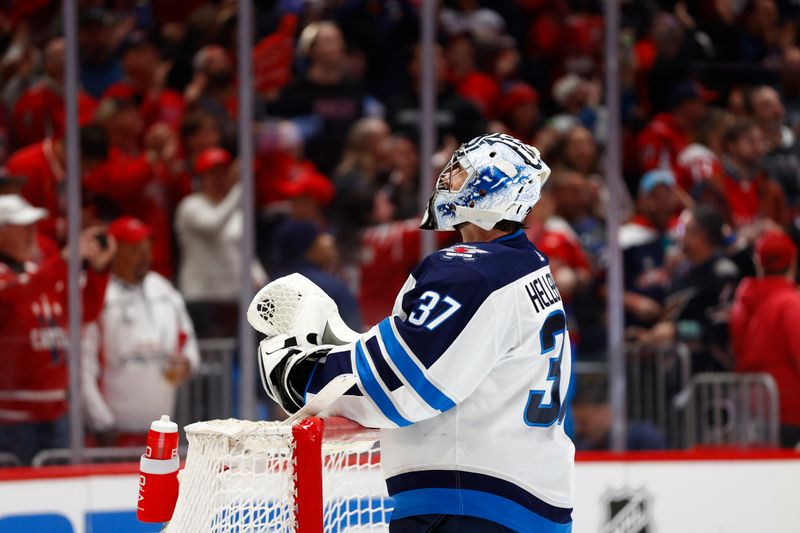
(389, 254)
(660, 142)
(33, 332)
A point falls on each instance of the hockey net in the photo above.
(311, 476)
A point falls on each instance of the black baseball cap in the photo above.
(689, 90)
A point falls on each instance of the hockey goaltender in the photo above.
(466, 377)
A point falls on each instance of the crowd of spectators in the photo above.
(711, 164)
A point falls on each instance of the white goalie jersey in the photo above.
(467, 379)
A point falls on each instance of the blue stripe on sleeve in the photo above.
(336, 363)
(374, 390)
(415, 377)
(310, 379)
(385, 372)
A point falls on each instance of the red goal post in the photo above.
(317, 474)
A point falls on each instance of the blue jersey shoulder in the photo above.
(498, 262)
(453, 283)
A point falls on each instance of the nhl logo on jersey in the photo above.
(464, 252)
(629, 511)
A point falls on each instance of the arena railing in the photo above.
(206, 396)
(730, 409)
(209, 394)
(655, 375)
(8, 459)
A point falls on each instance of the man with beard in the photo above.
(751, 193)
(100, 61)
(698, 301)
(212, 90)
(782, 160)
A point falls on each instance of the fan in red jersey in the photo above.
(33, 327)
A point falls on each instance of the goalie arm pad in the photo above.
(286, 369)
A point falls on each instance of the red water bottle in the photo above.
(158, 473)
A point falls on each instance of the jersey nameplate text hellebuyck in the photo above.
(543, 291)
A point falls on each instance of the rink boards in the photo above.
(663, 491)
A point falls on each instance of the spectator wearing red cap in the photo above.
(39, 113)
(764, 326)
(42, 165)
(287, 184)
(284, 175)
(141, 347)
(209, 225)
(33, 327)
(518, 109)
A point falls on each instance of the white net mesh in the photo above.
(241, 477)
(354, 491)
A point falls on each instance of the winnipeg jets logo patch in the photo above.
(465, 252)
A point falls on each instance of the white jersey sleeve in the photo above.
(410, 366)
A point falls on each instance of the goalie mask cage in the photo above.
(315, 475)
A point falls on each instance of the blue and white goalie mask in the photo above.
(488, 179)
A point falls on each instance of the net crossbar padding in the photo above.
(252, 477)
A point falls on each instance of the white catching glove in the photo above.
(295, 306)
(286, 368)
(302, 325)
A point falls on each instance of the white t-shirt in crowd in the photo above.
(127, 352)
(210, 238)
